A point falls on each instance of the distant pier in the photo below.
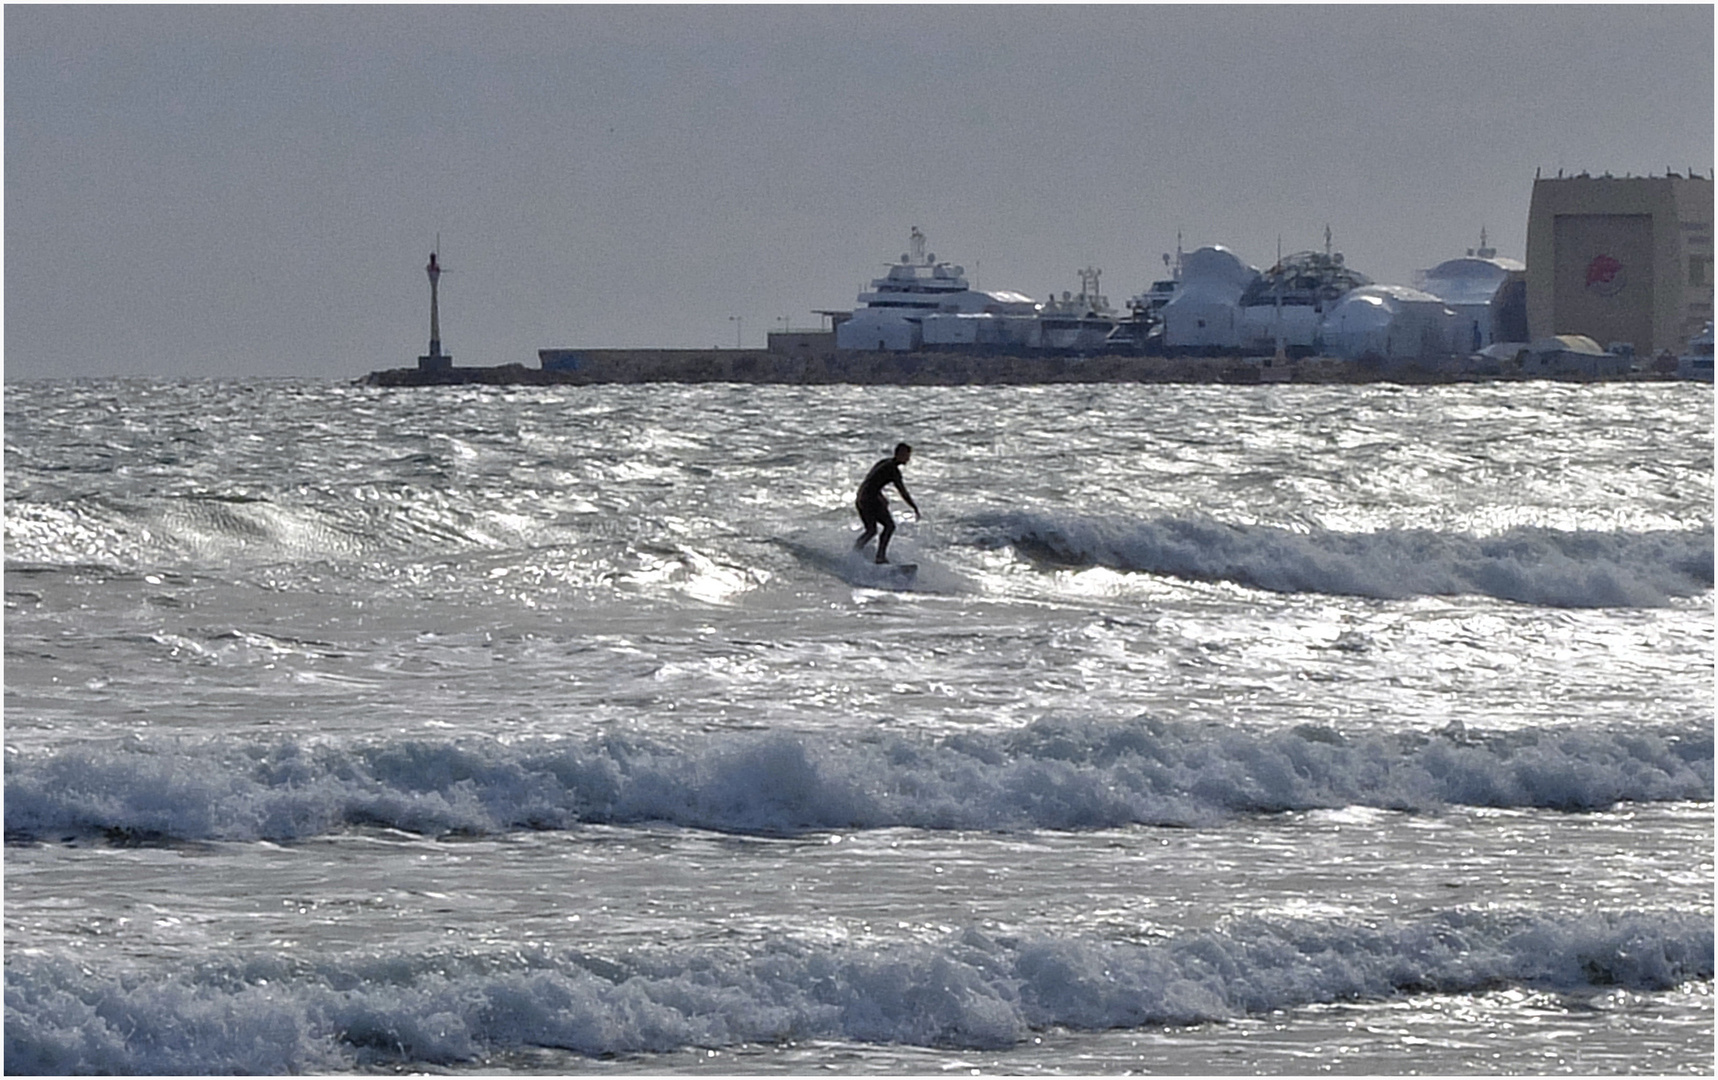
(594, 367)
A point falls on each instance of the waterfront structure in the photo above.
(1283, 309)
(1078, 322)
(1203, 315)
(892, 314)
(1390, 324)
(1620, 260)
(801, 343)
(1637, 253)
(1488, 295)
(1573, 354)
(1696, 361)
(436, 360)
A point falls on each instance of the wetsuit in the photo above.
(874, 508)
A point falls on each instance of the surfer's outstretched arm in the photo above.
(901, 486)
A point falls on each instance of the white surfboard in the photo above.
(856, 567)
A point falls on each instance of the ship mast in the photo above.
(1089, 287)
(1484, 251)
(1281, 353)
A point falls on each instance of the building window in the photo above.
(1699, 270)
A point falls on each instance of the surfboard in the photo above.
(855, 567)
(864, 571)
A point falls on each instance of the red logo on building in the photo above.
(1605, 275)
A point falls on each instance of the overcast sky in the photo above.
(255, 190)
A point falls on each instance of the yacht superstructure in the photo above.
(892, 313)
(1488, 294)
(1284, 308)
(1696, 361)
(1078, 322)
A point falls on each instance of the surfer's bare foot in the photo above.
(882, 561)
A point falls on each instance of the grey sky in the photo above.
(254, 190)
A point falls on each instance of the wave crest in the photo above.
(1051, 774)
(1547, 567)
(267, 1013)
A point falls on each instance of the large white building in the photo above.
(1390, 323)
(1285, 306)
(1488, 295)
(1205, 313)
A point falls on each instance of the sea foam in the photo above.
(1548, 567)
(971, 988)
(1053, 774)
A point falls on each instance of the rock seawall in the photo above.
(589, 367)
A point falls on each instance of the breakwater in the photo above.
(589, 367)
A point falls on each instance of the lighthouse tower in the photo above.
(436, 360)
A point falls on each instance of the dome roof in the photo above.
(1216, 263)
(1470, 280)
(1385, 296)
(1570, 343)
(1473, 266)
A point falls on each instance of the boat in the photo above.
(1142, 331)
(1078, 322)
(1696, 361)
(1156, 298)
(1283, 308)
(1390, 324)
(1202, 315)
(891, 315)
(1573, 355)
(1487, 293)
(1146, 305)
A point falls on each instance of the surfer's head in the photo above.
(903, 453)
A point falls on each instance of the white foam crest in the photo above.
(694, 574)
(201, 530)
(971, 989)
(1529, 565)
(75, 533)
(1051, 774)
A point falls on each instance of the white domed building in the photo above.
(1487, 293)
(1205, 313)
(1390, 323)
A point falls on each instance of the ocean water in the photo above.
(1223, 730)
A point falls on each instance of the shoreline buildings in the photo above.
(1624, 260)
(1618, 278)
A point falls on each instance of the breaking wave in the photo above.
(205, 531)
(1051, 774)
(272, 1013)
(1547, 567)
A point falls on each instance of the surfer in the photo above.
(874, 508)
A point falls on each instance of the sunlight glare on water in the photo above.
(1223, 729)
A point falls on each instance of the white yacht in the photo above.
(1284, 307)
(1203, 314)
(1487, 293)
(1696, 362)
(892, 315)
(1078, 322)
(1147, 304)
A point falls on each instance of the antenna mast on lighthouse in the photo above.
(436, 360)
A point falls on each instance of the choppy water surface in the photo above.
(1278, 729)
